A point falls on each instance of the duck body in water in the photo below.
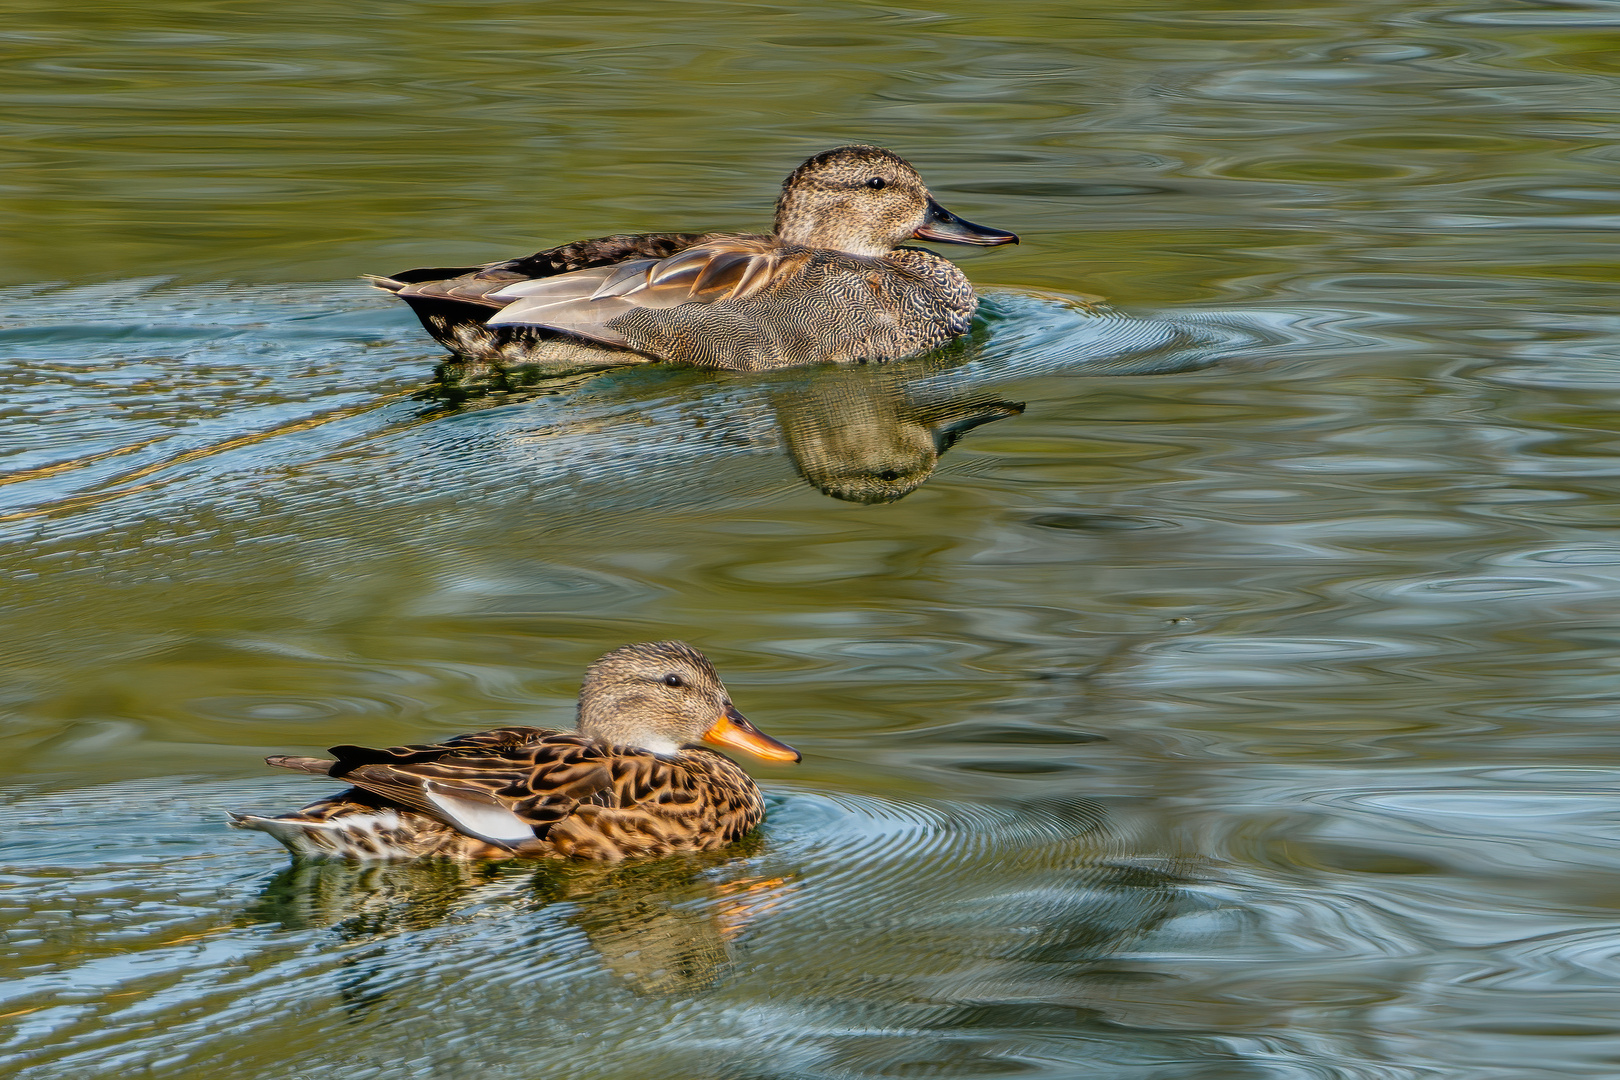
(628, 783)
(832, 283)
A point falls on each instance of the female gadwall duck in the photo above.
(830, 284)
(627, 783)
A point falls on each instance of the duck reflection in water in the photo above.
(662, 927)
(908, 922)
(874, 435)
(866, 434)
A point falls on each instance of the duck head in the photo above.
(663, 695)
(868, 201)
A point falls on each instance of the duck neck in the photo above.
(831, 227)
(609, 721)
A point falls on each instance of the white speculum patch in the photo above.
(485, 820)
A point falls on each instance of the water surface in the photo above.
(1231, 699)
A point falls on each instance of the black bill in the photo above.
(945, 227)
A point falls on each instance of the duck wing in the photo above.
(536, 791)
(497, 739)
(584, 302)
(473, 284)
(507, 791)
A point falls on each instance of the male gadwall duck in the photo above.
(628, 783)
(831, 284)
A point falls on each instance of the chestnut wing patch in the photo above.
(585, 302)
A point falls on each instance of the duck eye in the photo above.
(877, 183)
(674, 680)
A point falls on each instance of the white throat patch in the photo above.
(664, 748)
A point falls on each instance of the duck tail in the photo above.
(387, 284)
(365, 835)
(299, 837)
(318, 766)
(395, 282)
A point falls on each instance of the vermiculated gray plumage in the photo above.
(832, 284)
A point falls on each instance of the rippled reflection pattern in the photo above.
(1239, 709)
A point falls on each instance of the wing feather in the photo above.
(507, 786)
(533, 790)
(626, 277)
(681, 270)
(486, 820)
(755, 276)
(585, 302)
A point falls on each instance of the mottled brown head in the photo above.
(868, 201)
(664, 695)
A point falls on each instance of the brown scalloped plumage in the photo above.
(582, 800)
(525, 792)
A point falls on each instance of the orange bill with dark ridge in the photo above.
(734, 730)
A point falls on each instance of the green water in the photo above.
(1241, 709)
